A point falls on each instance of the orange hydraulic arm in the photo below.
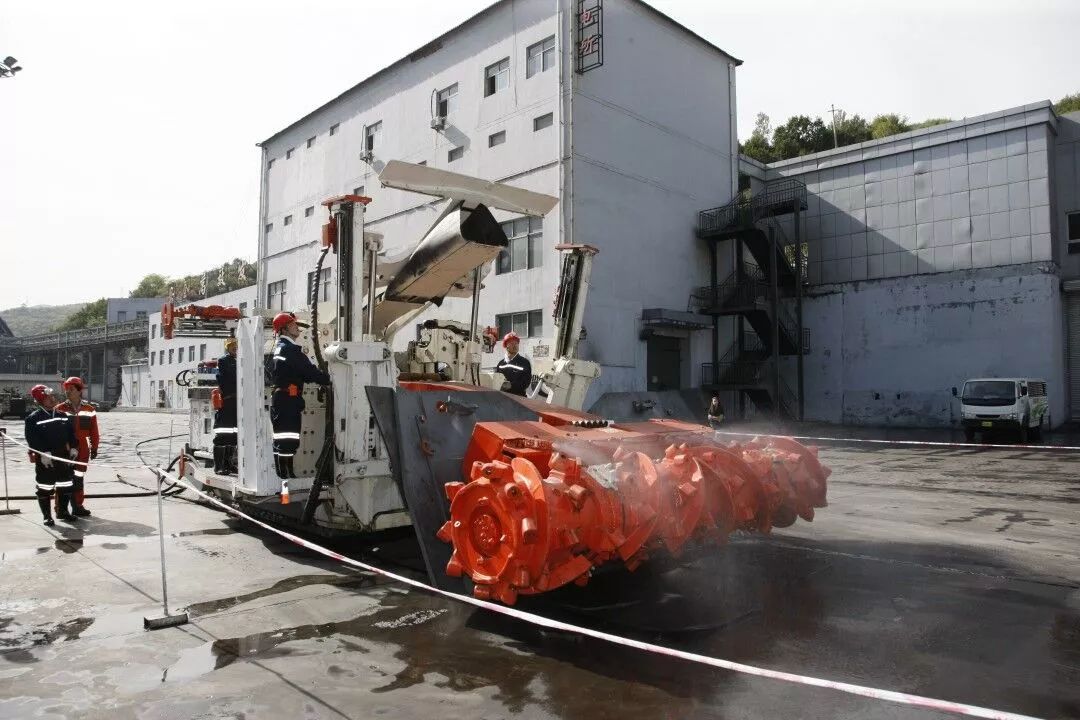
(546, 504)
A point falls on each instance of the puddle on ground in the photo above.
(1009, 518)
(16, 639)
(282, 586)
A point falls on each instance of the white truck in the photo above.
(989, 404)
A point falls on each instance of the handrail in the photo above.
(745, 212)
(115, 332)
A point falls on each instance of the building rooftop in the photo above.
(434, 45)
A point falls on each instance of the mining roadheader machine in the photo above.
(507, 495)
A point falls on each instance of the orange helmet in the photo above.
(510, 336)
(74, 382)
(39, 392)
(282, 319)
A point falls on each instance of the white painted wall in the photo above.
(651, 149)
(135, 385)
(888, 352)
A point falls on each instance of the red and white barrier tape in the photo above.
(68, 461)
(923, 443)
(541, 621)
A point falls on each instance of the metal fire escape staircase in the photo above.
(763, 293)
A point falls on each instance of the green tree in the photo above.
(151, 286)
(759, 146)
(1067, 104)
(930, 122)
(850, 130)
(801, 136)
(91, 315)
(889, 124)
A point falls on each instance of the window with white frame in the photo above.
(358, 190)
(525, 324)
(324, 285)
(446, 101)
(1073, 228)
(289, 153)
(455, 154)
(202, 351)
(497, 77)
(180, 359)
(161, 357)
(171, 355)
(496, 138)
(544, 121)
(540, 57)
(153, 331)
(275, 295)
(152, 358)
(309, 211)
(191, 353)
(371, 136)
(288, 221)
(269, 227)
(311, 141)
(525, 251)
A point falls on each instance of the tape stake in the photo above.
(541, 621)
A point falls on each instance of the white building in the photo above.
(633, 147)
(167, 359)
(135, 385)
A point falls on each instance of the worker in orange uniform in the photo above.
(514, 367)
(84, 418)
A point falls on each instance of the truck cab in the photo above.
(994, 404)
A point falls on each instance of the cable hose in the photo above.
(324, 466)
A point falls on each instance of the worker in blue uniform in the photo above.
(291, 369)
(225, 414)
(50, 434)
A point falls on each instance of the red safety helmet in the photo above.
(282, 319)
(510, 336)
(74, 382)
(39, 393)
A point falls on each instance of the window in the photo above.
(269, 227)
(289, 153)
(497, 138)
(1074, 232)
(324, 286)
(275, 295)
(311, 141)
(153, 331)
(544, 121)
(121, 315)
(497, 77)
(540, 57)
(309, 211)
(161, 357)
(202, 351)
(358, 190)
(525, 324)
(171, 351)
(372, 135)
(191, 353)
(455, 154)
(526, 236)
(140, 314)
(151, 358)
(181, 355)
(334, 129)
(446, 100)
(288, 221)
(243, 308)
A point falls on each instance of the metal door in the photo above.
(663, 363)
(1072, 313)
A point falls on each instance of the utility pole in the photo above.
(835, 142)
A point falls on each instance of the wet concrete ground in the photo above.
(951, 573)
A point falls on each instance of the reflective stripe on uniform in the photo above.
(220, 431)
(79, 473)
(88, 413)
(59, 419)
(508, 365)
(44, 487)
(277, 454)
(286, 436)
(65, 484)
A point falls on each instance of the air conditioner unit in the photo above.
(438, 122)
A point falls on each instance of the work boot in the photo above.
(219, 460)
(62, 511)
(80, 511)
(77, 500)
(46, 511)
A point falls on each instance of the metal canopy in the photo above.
(464, 188)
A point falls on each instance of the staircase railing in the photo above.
(735, 290)
(746, 211)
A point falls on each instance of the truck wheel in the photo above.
(969, 435)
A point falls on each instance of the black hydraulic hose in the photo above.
(324, 466)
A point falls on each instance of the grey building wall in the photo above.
(125, 309)
(931, 260)
(1066, 174)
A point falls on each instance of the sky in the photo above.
(127, 144)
